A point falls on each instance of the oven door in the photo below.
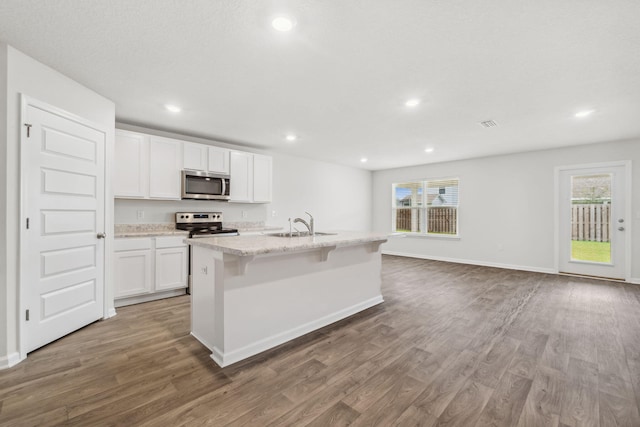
(204, 186)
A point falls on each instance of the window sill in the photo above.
(425, 236)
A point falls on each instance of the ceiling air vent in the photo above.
(488, 124)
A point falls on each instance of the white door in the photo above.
(63, 201)
(592, 222)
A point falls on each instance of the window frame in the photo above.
(423, 209)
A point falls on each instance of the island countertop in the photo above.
(265, 244)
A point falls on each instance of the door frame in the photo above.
(107, 310)
(626, 164)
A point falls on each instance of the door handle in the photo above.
(620, 228)
(101, 235)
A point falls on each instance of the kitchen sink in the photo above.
(300, 234)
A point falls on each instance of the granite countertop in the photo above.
(147, 230)
(264, 244)
(169, 229)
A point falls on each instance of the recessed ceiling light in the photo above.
(412, 102)
(363, 160)
(291, 137)
(428, 150)
(283, 23)
(585, 113)
(173, 108)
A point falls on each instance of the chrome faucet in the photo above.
(309, 224)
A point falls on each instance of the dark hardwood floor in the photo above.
(453, 345)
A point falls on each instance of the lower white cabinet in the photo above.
(171, 268)
(133, 267)
(149, 268)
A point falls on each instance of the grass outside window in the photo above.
(591, 251)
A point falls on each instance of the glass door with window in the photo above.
(592, 223)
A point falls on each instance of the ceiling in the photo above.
(340, 79)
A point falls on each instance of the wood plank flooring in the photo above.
(453, 345)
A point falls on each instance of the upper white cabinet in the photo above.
(203, 157)
(131, 163)
(241, 169)
(165, 166)
(251, 177)
(262, 177)
(219, 160)
(195, 156)
(146, 166)
(149, 167)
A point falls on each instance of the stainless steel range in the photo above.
(202, 224)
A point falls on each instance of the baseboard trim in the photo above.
(225, 359)
(9, 360)
(635, 280)
(473, 262)
(149, 297)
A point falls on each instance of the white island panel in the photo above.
(238, 312)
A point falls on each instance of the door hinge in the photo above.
(27, 223)
(27, 315)
(28, 125)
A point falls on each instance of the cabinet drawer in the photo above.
(132, 244)
(170, 242)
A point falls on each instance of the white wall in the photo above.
(505, 201)
(24, 75)
(338, 197)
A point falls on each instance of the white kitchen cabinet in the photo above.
(132, 262)
(171, 263)
(195, 156)
(218, 160)
(149, 268)
(251, 177)
(206, 158)
(131, 165)
(146, 167)
(165, 166)
(241, 169)
(150, 167)
(262, 177)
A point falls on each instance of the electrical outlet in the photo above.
(140, 214)
(244, 214)
(273, 214)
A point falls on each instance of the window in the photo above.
(427, 207)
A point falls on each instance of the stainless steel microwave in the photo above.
(200, 185)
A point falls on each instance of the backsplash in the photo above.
(132, 211)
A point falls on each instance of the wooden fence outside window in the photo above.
(440, 219)
(590, 222)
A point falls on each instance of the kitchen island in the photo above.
(252, 293)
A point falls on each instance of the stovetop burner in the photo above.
(201, 224)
